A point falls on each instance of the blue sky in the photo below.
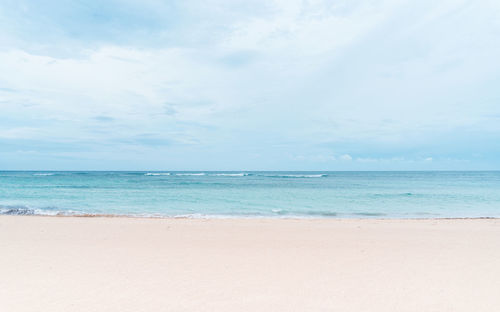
(249, 85)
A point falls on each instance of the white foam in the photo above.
(297, 175)
(24, 210)
(157, 174)
(43, 174)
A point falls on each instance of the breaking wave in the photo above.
(239, 174)
(157, 174)
(18, 210)
(296, 175)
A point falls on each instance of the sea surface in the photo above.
(435, 194)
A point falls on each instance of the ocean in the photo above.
(206, 194)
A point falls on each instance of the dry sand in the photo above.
(126, 264)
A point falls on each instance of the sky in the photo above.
(249, 85)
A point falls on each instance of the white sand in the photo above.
(124, 264)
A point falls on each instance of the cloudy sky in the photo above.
(249, 85)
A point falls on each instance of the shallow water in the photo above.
(253, 194)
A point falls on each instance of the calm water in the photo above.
(253, 194)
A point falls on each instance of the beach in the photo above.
(148, 264)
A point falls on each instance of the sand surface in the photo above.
(126, 264)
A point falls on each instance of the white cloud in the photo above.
(346, 157)
(287, 77)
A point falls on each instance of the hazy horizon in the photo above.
(246, 171)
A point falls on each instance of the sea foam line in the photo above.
(296, 175)
(157, 174)
(27, 211)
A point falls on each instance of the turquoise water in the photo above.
(253, 194)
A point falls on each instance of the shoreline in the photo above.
(30, 212)
(158, 264)
(230, 217)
